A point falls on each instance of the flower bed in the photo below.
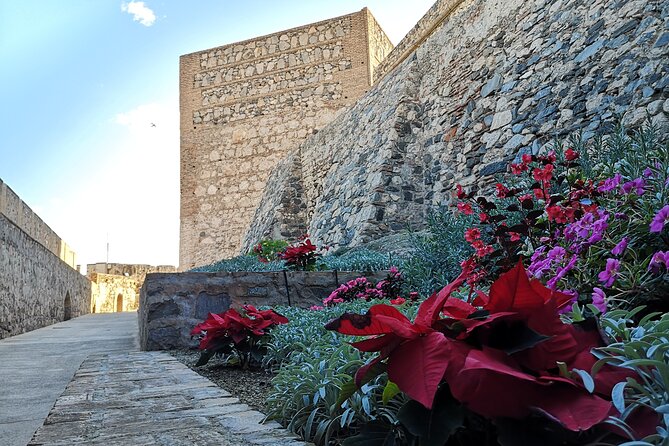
(554, 332)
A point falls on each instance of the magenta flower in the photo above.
(599, 299)
(608, 276)
(660, 219)
(637, 185)
(610, 183)
(647, 172)
(620, 247)
(659, 260)
(561, 272)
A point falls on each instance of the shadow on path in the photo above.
(36, 367)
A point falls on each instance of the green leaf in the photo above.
(642, 362)
(389, 392)
(434, 427)
(205, 356)
(374, 433)
(618, 396)
(664, 409)
(587, 379)
(349, 387)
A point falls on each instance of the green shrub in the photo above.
(268, 250)
(358, 259)
(644, 348)
(241, 263)
(313, 366)
(438, 253)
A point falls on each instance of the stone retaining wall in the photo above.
(36, 287)
(172, 304)
(494, 79)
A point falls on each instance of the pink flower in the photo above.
(620, 247)
(315, 307)
(570, 154)
(502, 190)
(660, 219)
(599, 299)
(472, 234)
(398, 301)
(608, 276)
(465, 208)
(659, 260)
(544, 174)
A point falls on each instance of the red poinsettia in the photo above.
(300, 255)
(232, 326)
(498, 354)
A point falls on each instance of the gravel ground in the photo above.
(250, 386)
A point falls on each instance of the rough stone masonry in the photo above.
(472, 86)
(244, 106)
(482, 82)
(38, 283)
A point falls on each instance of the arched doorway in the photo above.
(119, 303)
(67, 307)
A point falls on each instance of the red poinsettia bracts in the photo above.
(232, 325)
(499, 354)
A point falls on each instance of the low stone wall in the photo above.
(171, 305)
(36, 287)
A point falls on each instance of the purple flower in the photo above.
(637, 185)
(647, 172)
(608, 276)
(561, 272)
(660, 219)
(620, 247)
(599, 299)
(658, 260)
(610, 183)
(556, 254)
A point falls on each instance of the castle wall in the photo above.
(115, 286)
(36, 287)
(19, 213)
(244, 106)
(487, 81)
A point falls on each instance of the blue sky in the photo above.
(81, 83)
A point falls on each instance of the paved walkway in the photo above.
(36, 367)
(87, 376)
(149, 398)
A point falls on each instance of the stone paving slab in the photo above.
(150, 398)
(35, 367)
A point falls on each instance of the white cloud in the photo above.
(140, 12)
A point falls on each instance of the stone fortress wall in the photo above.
(38, 283)
(246, 105)
(19, 213)
(477, 83)
(115, 286)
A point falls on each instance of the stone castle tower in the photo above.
(246, 105)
